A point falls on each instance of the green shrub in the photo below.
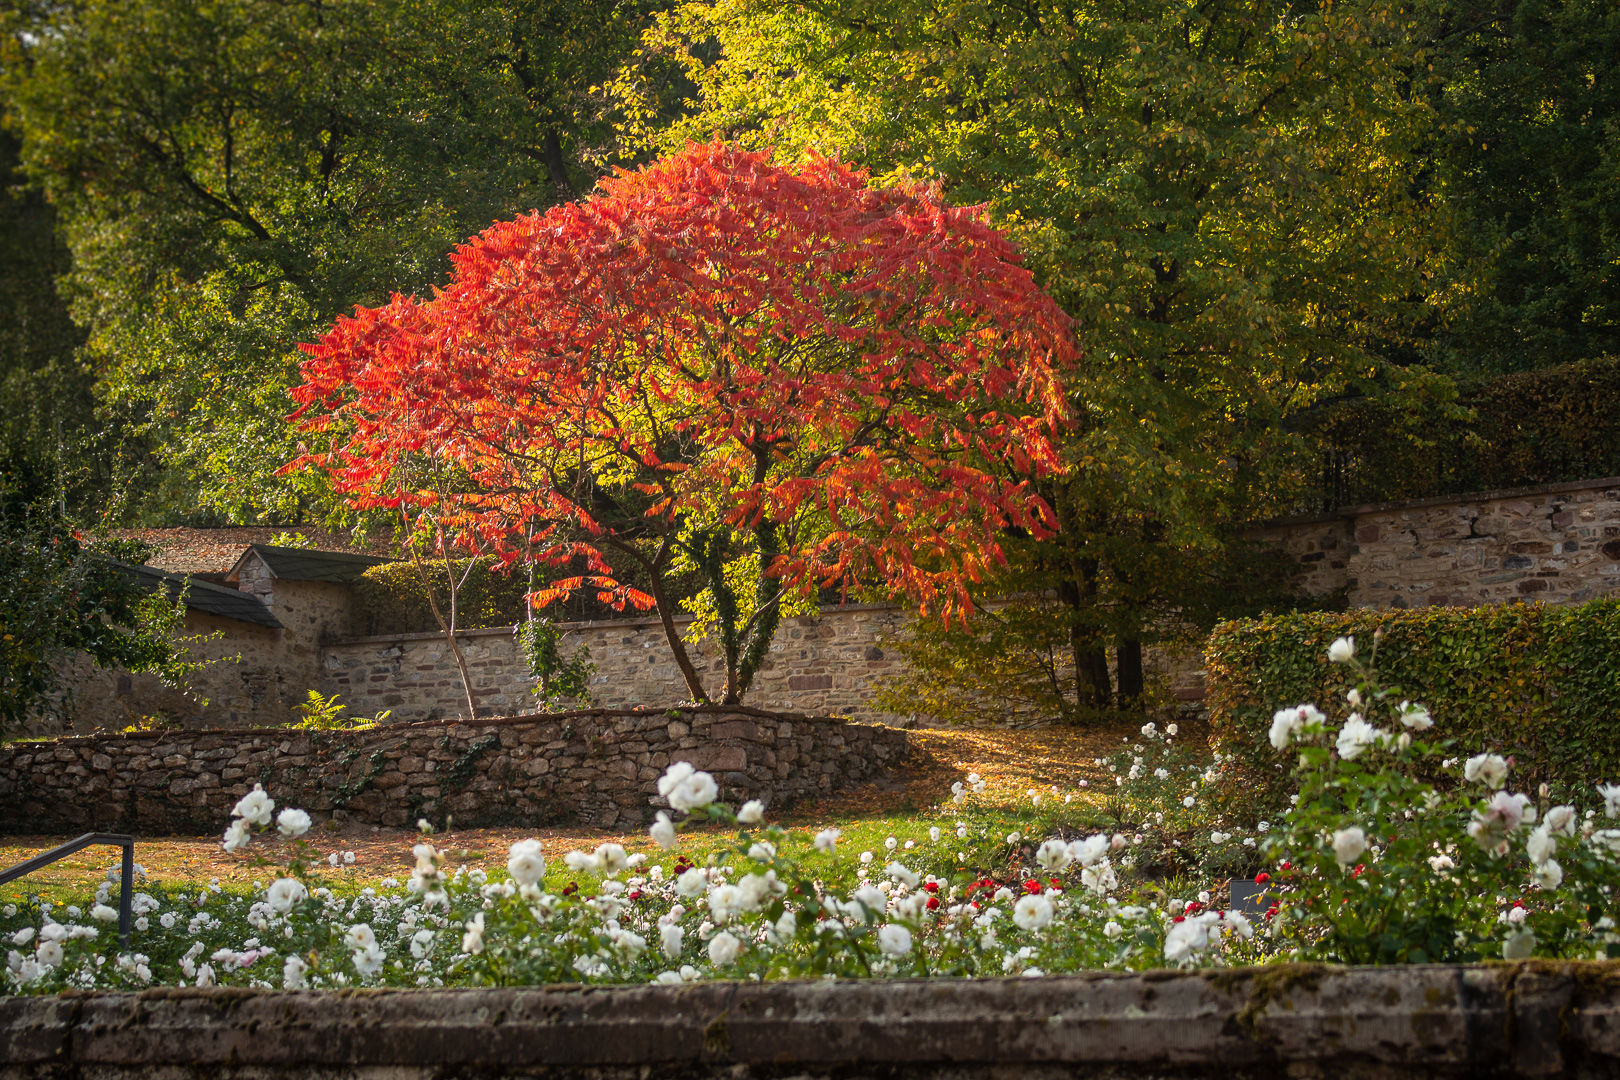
(1537, 683)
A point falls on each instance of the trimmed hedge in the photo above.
(1538, 682)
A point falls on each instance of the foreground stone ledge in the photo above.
(1499, 1020)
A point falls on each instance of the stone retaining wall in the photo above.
(1501, 1020)
(597, 767)
(827, 664)
(1558, 543)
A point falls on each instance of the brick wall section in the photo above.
(827, 664)
(596, 767)
(1559, 543)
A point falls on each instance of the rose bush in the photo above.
(1373, 864)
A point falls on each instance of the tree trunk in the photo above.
(1130, 671)
(448, 626)
(694, 682)
(1092, 686)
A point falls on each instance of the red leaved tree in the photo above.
(778, 380)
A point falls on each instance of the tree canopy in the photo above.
(230, 176)
(1222, 195)
(786, 379)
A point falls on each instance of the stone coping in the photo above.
(589, 624)
(1530, 1019)
(1343, 512)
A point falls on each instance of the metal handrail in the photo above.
(62, 851)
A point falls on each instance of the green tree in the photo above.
(229, 177)
(1223, 194)
(1530, 94)
(59, 597)
(46, 400)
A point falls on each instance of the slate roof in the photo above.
(305, 564)
(204, 595)
(216, 550)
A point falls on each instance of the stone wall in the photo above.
(827, 664)
(596, 767)
(255, 675)
(1285, 1020)
(1559, 543)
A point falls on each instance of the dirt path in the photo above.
(1010, 761)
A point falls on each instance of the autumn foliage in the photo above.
(781, 379)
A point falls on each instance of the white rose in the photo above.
(1348, 844)
(1356, 736)
(827, 840)
(752, 812)
(1032, 911)
(1519, 944)
(1343, 650)
(894, 940)
(1549, 875)
(1540, 846)
(472, 938)
(103, 913)
(237, 835)
(1087, 851)
(292, 822)
(1054, 856)
(671, 936)
(526, 862)
(1561, 821)
(254, 807)
(1415, 717)
(663, 831)
(1488, 769)
(49, 953)
(723, 949)
(284, 893)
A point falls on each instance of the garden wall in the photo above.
(1501, 1020)
(596, 767)
(256, 677)
(827, 664)
(1558, 543)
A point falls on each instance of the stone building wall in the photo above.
(1559, 543)
(595, 767)
(255, 675)
(828, 664)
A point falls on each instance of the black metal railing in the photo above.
(62, 851)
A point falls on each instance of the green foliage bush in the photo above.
(1536, 683)
(1533, 427)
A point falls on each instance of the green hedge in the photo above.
(1538, 682)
